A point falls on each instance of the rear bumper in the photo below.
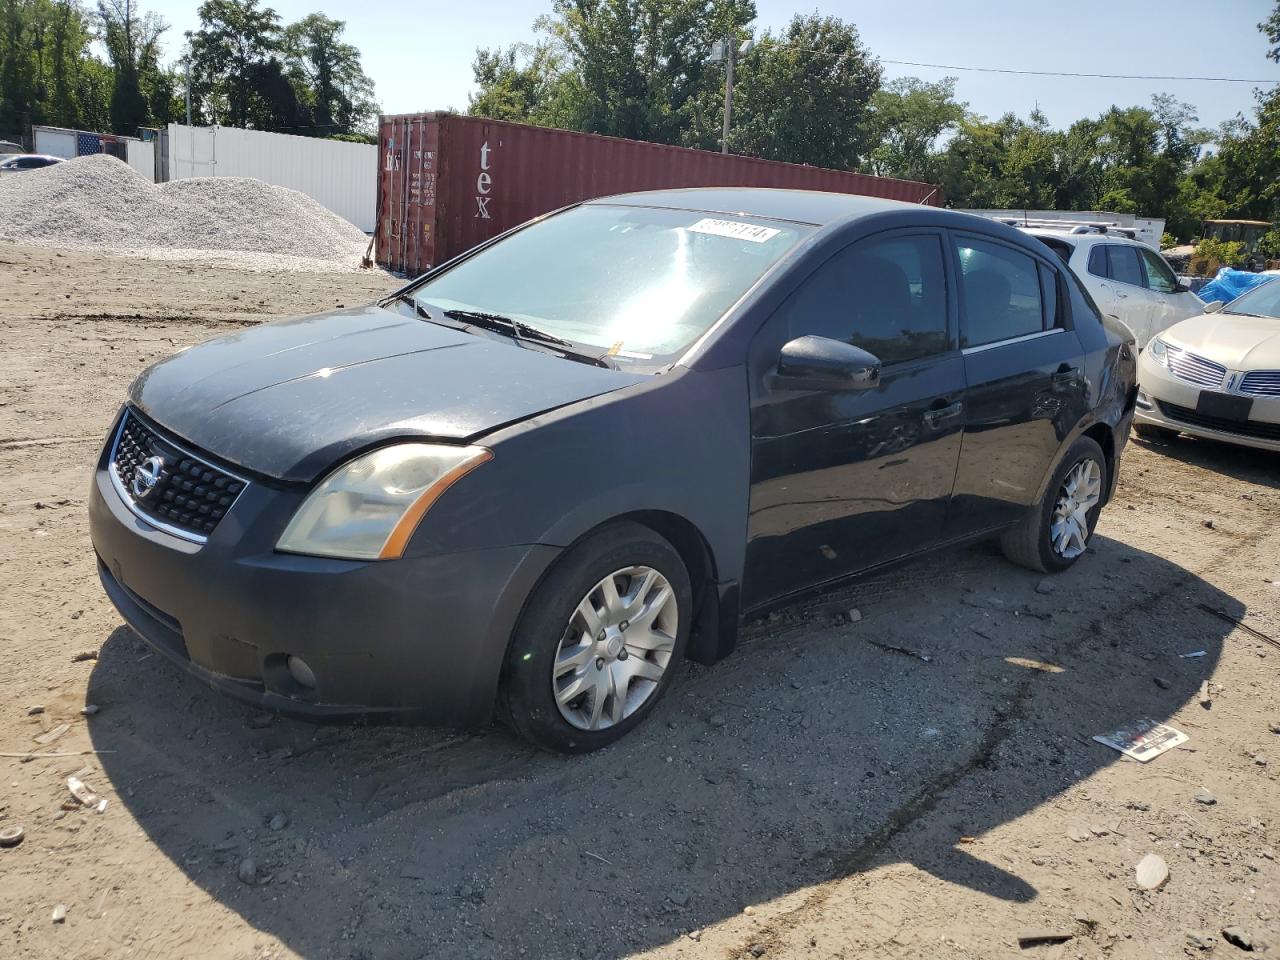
(419, 638)
(1165, 401)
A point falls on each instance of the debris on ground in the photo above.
(35, 711)
(905, 651)
(87, 655)
(248, 871)
(60, 913)
(1206, 698)
(1143, 740)
(279, 821)
(52, 734)
(1152, 872)
(89, 709)
(1238, 938)
(11, 835)
(1043, 939)
(1205, 797)
(80, 790)
(99, 201)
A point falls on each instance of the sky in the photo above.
(419, 52)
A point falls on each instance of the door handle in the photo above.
(934, 417)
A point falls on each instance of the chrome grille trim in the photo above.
(129, 419)
(1261, 383)
(1196, 369)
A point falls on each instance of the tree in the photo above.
(1270, 28)
(132, 42)
(327, 72)
(805, 96)
(235, 38)
(909, 117)
(18, 100)
(525, 82)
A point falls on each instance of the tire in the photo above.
(555, 631)
(1149, 431)
(1031, 543)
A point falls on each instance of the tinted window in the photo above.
(1098, 262)
(1159, 277)
(1049, 294)
(1124, 265)
(1000, 291)
(888, 296)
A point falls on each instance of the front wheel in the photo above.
(1056, 532)
(599, 640)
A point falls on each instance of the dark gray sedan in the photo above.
(534, 480)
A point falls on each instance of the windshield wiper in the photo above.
(520, 330)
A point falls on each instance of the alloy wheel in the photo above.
(616, 648)
(1080, 492)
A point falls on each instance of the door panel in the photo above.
(844, 480)
(1023, 394)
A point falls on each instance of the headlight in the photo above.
(367, 509)
(1159, 351)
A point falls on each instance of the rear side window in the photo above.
(1159, 277)
(1000, 292)
(1124, 265)
(1098, 262)
(886, 295)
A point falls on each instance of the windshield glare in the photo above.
(1262, 301)
(640, 284)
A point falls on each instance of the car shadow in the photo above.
(1247, 464)
(825, 746)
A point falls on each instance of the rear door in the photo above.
(842, 481)
(1024, 369)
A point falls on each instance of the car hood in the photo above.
(1235, 341)
(291, 398)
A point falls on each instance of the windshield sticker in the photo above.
(734, 230)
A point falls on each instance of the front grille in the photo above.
(175, 489)
(1195, 369)
(1244, 428)
(1261, 383)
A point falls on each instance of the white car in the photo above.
(1216, 375)
(1127, 279)
(22, 162)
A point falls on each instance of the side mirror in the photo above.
(1182, 287)
(1213, 306)
(820, 363)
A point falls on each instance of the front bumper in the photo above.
(420, 638)
(1165, 401)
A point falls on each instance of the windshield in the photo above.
(1261, 301)
(637, 283)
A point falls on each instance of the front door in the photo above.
(1026, 383)
(845, 480)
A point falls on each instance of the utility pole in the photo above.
(731, 49)
(186, 62)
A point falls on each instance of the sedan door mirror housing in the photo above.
(1213, 306)
(820, 363)
(1182, 287)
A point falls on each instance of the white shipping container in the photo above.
(142, 157)
(341, 176)
(56, 143)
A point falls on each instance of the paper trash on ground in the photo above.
(1143, 739)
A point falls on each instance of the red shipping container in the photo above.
(447, 182)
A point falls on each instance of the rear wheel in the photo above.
(1149, 431)
(599, 641)
(1056, 533)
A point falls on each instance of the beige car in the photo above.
(1216, 375)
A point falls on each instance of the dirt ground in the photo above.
(817, 795)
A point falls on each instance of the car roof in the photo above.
(799, 206)
(27, 156)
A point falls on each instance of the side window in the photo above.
(1049, 294)
(1098, 261)
(1000, 292)
(1159, 277)
(1124, 264)
(888, 296)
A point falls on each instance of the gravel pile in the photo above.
(99, 201)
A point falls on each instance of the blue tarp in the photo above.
(1229, 284)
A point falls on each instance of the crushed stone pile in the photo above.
(99, 201)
